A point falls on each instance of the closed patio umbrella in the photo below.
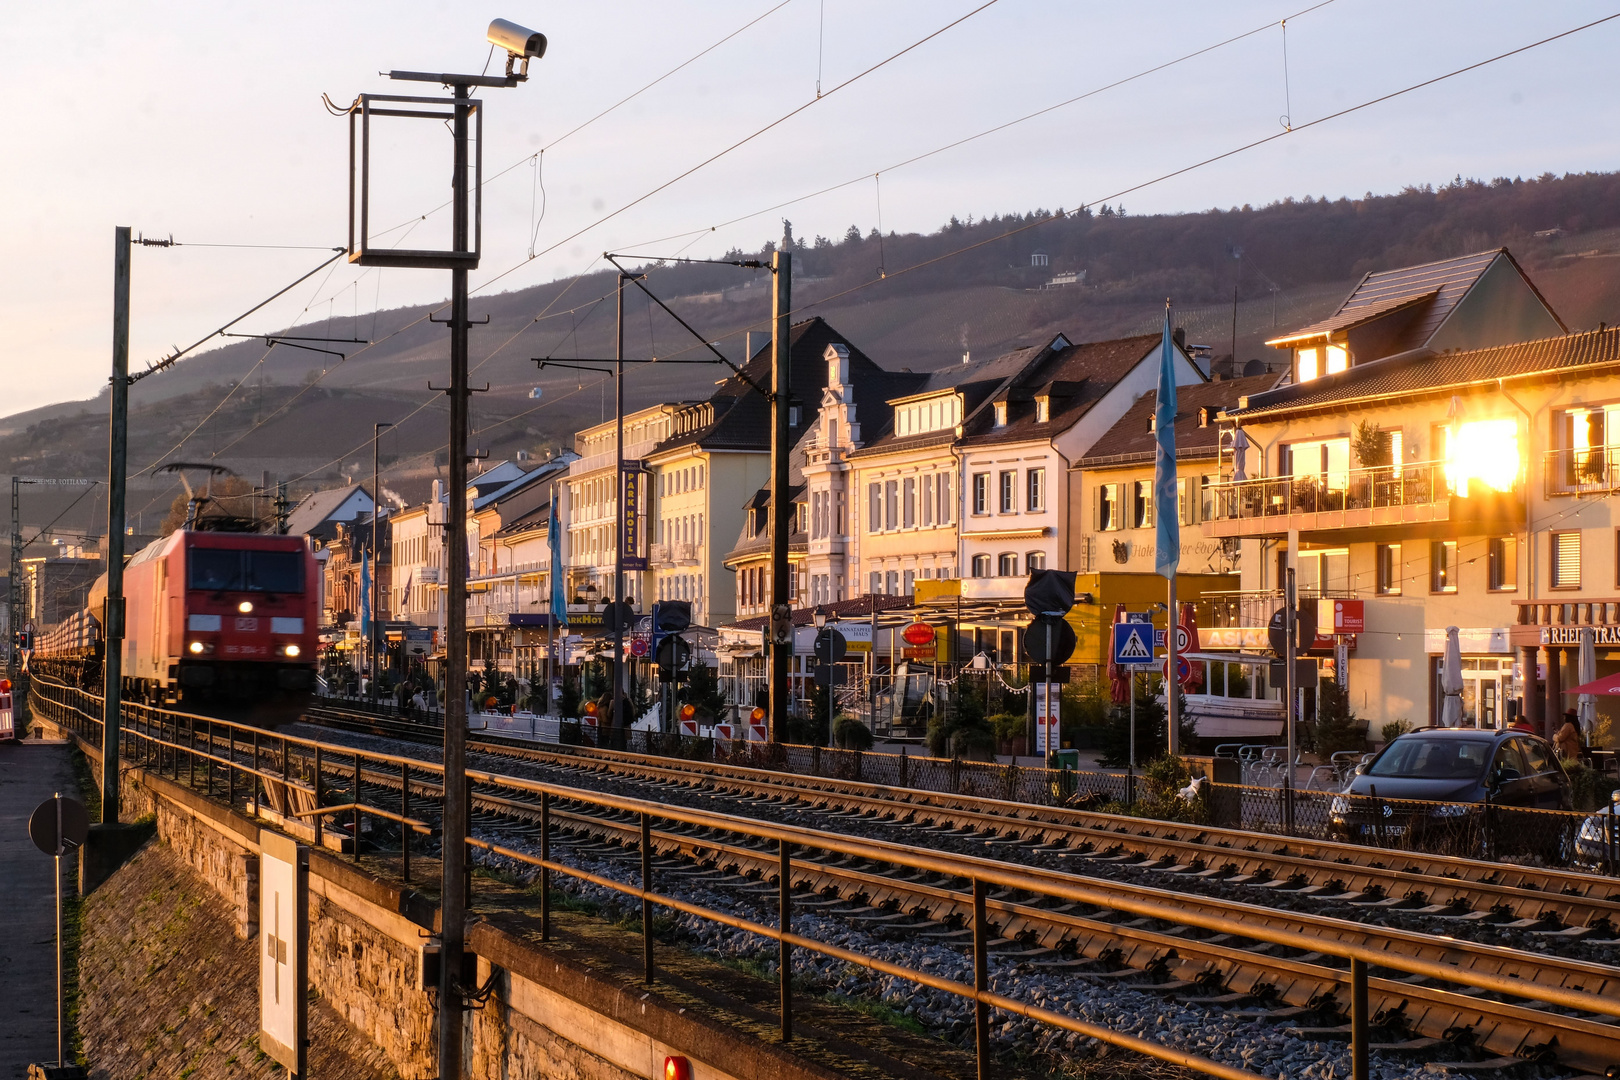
(1240, 454)
(1586, 704)
(1451, 681)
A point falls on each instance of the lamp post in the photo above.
(376, 564)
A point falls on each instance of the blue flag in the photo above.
(1167, 548)
(365, 595)
(559, 595)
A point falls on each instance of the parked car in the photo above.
(1429, 790)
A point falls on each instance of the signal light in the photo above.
(196, 648)
(5, 686)
(677, 1068)
(245, 607)
(757, 715)
(590, 708)
(688, 711)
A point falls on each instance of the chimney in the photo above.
(1179, 336)
(966, 356)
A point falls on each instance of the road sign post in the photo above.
(57, 827)
(283, 966)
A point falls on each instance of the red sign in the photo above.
(1349, 617)
(918, 633)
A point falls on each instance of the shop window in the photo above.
(1388, 557)
(1443, 566)
(1565, 551)
(1502, 563)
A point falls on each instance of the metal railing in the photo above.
(1254, 607)
(1410, 485)
(1592, 471)
(317, 780)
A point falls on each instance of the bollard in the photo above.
(1358, 1020)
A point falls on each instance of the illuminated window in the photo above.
(1109, 516)
(1142, 505)
(1486, 451)
(1338, 359)
(1307, 363)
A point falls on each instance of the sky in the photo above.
(204, 122)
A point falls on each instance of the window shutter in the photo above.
(1566, 568)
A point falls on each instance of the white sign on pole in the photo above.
(283, 955)
(1048, 718)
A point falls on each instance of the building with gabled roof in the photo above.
(1470, 302)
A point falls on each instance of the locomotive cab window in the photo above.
(225, 570)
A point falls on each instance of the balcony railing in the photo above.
(1411, 493)
(1582, 472)
(1254, 607)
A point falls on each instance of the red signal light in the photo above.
(5, 686)
(590, 708)
(677, 1068)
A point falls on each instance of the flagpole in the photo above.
(1167, 553)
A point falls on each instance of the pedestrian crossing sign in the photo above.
(1131, 643)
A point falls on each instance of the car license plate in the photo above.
(1387, 830)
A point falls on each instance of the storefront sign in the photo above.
(633, 483)
(1233, 637)
(1349, 616)
(857, 637)
(1571, 635)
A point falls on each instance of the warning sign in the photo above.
(1131, 643)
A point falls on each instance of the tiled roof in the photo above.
(1093, 368)
(975, 381)
(742, 416)
(313, 510)
(1431, 373)
(1350, 315)
(1130, 440)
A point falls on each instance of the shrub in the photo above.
(1591, 788)
(851, 734)
(1395, 729)
(1008, 726)
(1159, 788)
(1336, 727)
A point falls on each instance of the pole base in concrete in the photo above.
(109, 846)
(57, 1072)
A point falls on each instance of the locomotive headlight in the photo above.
(290, 650)
(196, 648)
(245, 607)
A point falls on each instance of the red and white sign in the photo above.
(1048, 718)
(8, 725)
(756, 733)
(918, 633)
(1349, 617)
(639, 646)
(723, 732)
(689, 727)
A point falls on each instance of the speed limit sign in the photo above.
(1183, 642)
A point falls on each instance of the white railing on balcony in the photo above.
(684, 554)
(1410, 485)
(1254, 607)
(658, 554)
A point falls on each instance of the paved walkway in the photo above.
(29, 774)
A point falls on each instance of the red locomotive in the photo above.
(218, 622)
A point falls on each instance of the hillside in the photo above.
(297, 415)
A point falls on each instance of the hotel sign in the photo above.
(1571, 635)
(633, 483)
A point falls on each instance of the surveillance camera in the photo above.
(517, 40)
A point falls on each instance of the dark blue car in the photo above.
(1429, 790)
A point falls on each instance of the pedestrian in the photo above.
(1568, 739)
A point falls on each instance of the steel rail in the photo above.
(1569, 895)
(1155, 904)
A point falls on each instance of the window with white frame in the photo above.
(1035, 490)
(1009, 491)
(908, 503)
(874, 508)
(1035, 560)
(1142, 504)
(947, 505)
(1007, 564)
(927, 507)
(1110, 515)
(981, 566)
(981, 493)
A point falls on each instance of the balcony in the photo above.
(1581, 472)
(1414, 494)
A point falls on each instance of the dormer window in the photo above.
(1315, 362)
(1043, 409)
(1001, 414)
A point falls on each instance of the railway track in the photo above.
(1560, 904)
(1417, 1013)
(1431, 995)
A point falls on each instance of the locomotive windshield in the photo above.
(227, 570)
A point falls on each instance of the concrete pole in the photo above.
(620, 704)
(1290, 610)
(112, 623)
(781, 504)
(453, 889)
